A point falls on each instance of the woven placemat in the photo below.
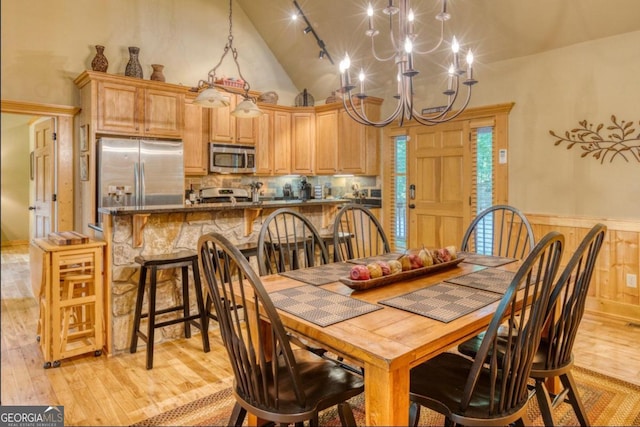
(320, 306)
(488, 279)
(444, 301)
(321, 274)
(485, 260)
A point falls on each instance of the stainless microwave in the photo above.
(224, 158)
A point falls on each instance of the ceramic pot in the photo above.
(99, 62)
(157, 73)
(134, 69)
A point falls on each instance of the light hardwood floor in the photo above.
(119, 390)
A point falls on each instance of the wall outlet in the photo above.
(632, 281)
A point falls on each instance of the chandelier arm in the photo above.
(439, 119)
(361, 118)
(379, 58)
(433, 49)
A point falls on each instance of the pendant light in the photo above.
(211, 97)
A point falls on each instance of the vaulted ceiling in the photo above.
(495, 29)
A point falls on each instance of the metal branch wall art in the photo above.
(620, 142)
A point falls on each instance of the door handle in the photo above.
(32, 208)
(412, 206)
(412, 191)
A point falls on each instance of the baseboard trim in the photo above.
(15, 243)
(613, 310)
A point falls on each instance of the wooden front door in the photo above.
(439, 183)
(44, 178)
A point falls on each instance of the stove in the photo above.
(224, 194)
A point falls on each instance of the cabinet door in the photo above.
(264, 144)
(351, 148)
(246, 130)
(222, 125)
(195, 137)
(302, 145)
(372, 142)
(119, 109)
(163, 113)
(327, 142)
(282, 143)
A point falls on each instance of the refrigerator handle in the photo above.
(142, 186)
(136, 184)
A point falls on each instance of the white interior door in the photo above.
(44, 206)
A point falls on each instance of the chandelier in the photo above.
(403, 34)
(210, 97)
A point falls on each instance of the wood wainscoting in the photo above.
(620, 256)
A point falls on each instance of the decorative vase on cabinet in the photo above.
(157, 73)
(99, 62)
(134, 69)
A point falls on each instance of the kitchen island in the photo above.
(153, 230)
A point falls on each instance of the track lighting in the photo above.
(309, 29)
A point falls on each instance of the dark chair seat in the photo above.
(301, 383)
(553, 357)
(492, 388)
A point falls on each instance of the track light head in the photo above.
(307, 30)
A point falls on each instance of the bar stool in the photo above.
(183, 260)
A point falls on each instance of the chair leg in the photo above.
(138, 313)
(544, 402)
(414, 414)
(204, 314)
(346, 414)
(185, 301)
(151, 334)
(574, 398)
(237, 415)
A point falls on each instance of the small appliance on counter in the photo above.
(305, 189)
(223, 195)
(287, 193)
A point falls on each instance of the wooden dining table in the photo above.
(388, 342)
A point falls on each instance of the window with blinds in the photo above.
(398, 193)
(482, 187)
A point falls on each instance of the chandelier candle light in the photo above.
(210, 97)
(403, 34)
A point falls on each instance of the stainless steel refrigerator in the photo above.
(139, 172)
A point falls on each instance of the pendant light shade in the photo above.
(211, 90)
(246, 109)
(211, 98)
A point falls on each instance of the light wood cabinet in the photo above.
(130, 109)
(282, 142)
(326, 142)
(227, 129)
(195, 137)
(264, 143)
(273, 146)
(345, 146)
(303, 141)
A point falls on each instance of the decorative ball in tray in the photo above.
(411, 264)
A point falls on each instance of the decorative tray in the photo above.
(360, 285)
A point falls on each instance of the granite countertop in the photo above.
(131, 210)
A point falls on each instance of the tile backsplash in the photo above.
(273, 185)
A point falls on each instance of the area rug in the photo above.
(608, 402)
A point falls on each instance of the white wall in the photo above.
(15, 178)
(47, 43)
(556, 90)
